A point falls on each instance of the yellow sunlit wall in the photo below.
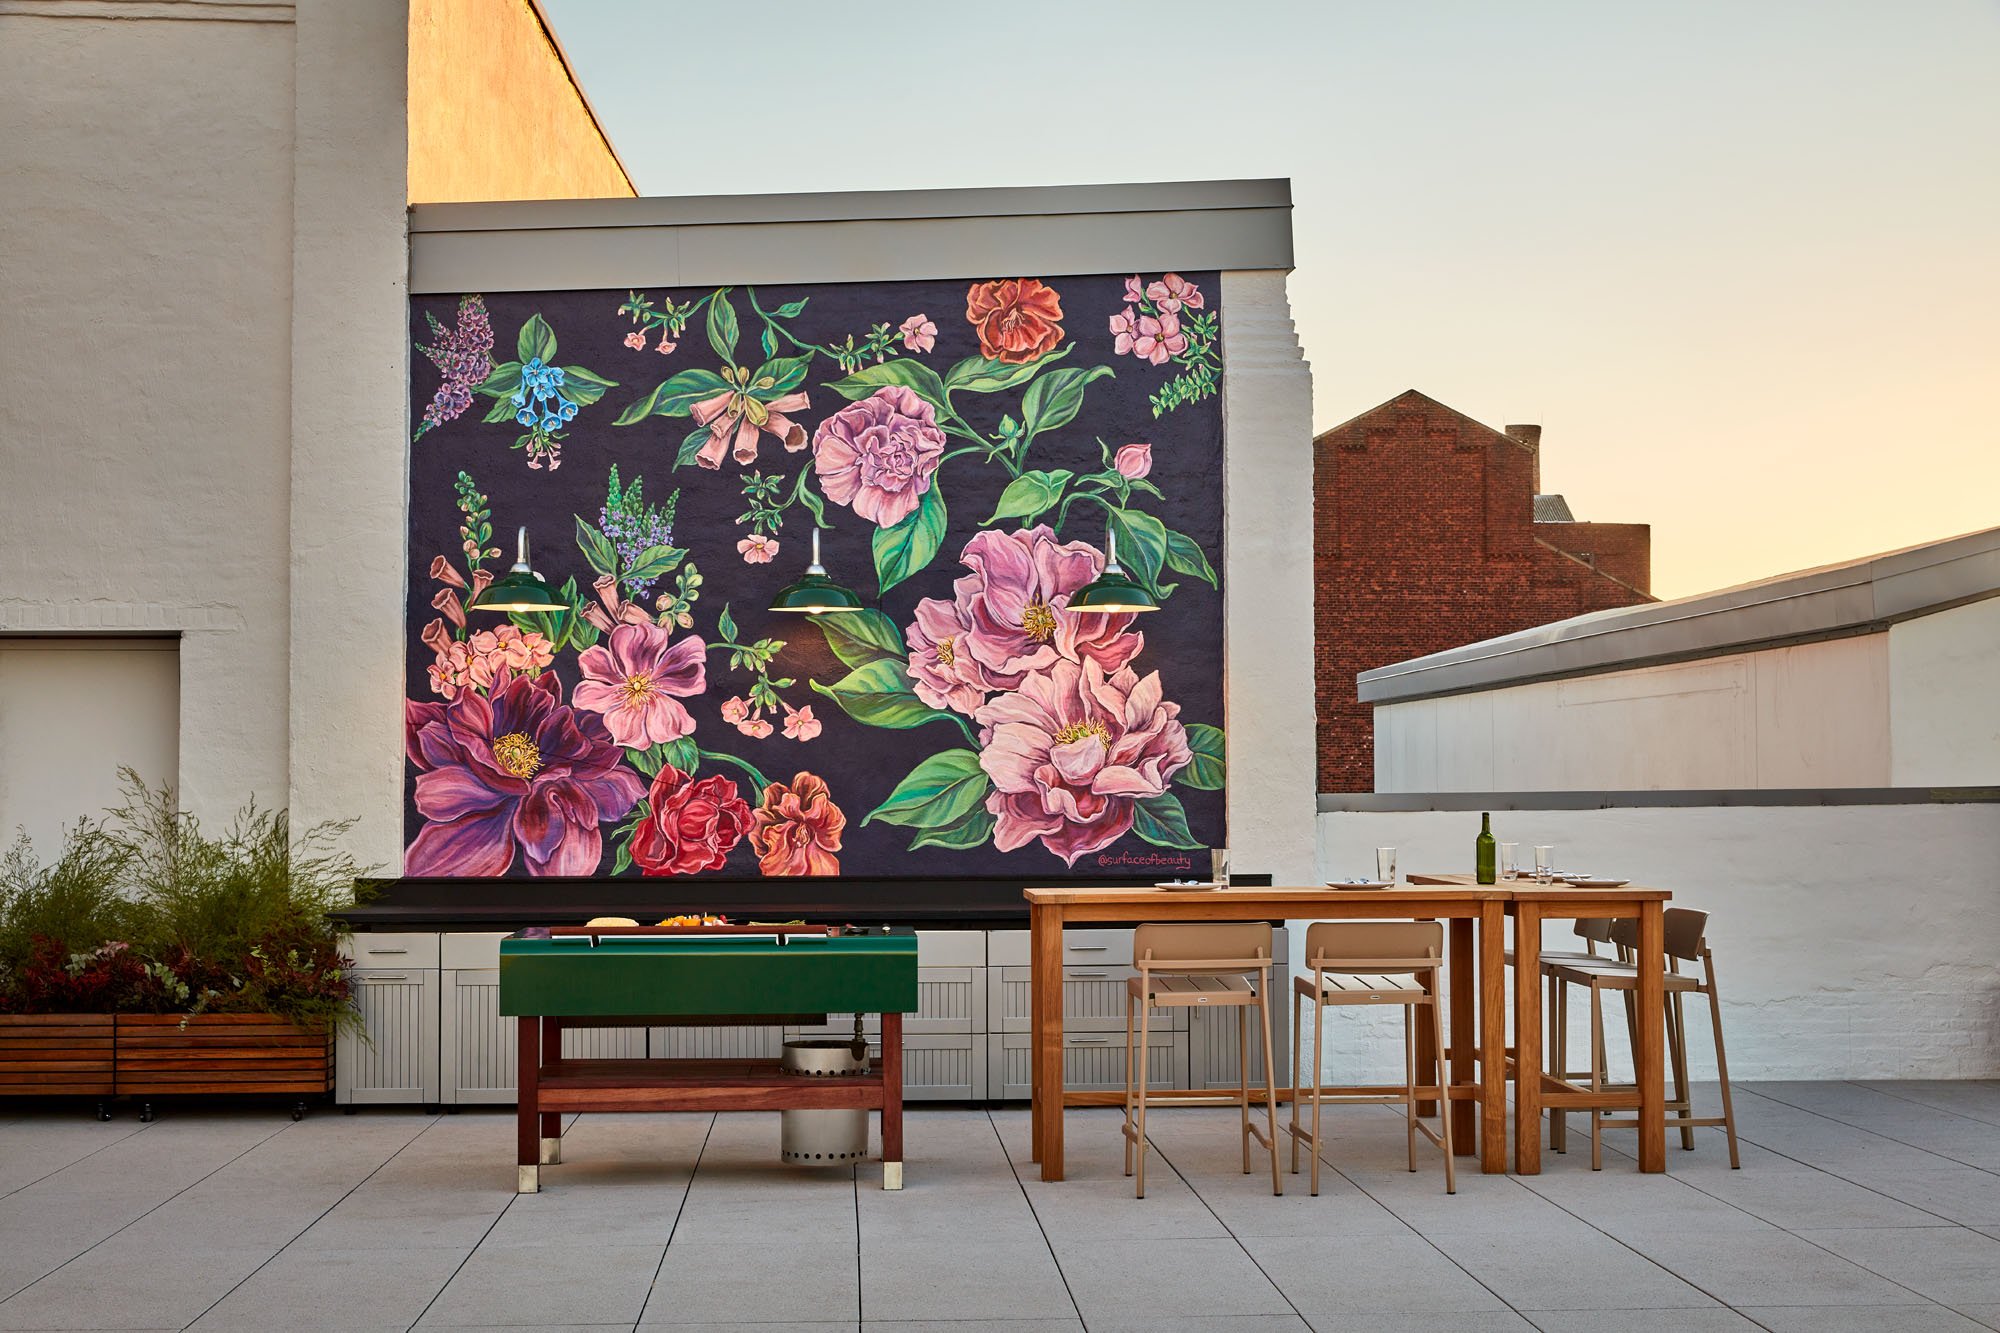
(494, 113)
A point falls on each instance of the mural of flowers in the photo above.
(796, 829)
(516, 774)
(967, 720)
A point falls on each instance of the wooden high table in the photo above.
(1478, 1067)
(1530, 904)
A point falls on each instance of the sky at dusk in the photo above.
(1737, 257)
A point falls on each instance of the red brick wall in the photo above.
(1424, 539)
(1622, 550)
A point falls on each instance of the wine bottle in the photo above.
(1482, 851)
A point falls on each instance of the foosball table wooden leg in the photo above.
(892, 1101)
(528, 1137)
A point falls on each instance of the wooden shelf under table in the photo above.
(700, 1085)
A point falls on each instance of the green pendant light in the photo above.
(519, 589)
(813, 592)
(1114, 589)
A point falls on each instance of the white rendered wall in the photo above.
(1811, 715)
(1944, 697)
(145, 356)
(1851, 941)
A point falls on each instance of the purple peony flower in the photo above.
(877, 456)
(515, 771)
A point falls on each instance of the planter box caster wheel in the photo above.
(146, 1113)
(103, 1111)
(298, 1111)
(350, 1109)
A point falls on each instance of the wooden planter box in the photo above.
(56, 1055)
(220, 1053)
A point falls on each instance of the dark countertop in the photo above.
(507, 904)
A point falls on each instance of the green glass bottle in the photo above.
(1483, 848)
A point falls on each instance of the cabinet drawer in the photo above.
(948, 1068)
(1111, 947)
(398, 949)
(1092, 1062)
(1093, 1000)
(722, 1042)
(481, 1049)
(949, 1000)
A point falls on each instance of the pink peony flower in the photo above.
(519, 772)
(800, 724)
(756, 728)
(735, 710)
(1133, 461)
(1072, 752)
(1159, 339)
(631, 678)
(757, 549)
(1124, 328)
(877, 455)
(1172, 292)
(636, 341)
(1010, 617)
(919, 334)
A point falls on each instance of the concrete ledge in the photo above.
(1393, 802)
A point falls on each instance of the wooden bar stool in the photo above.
(1209, 965)
(1686, 941)
(1374, 962)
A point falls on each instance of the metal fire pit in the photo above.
(824, 1138)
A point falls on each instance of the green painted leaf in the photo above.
(970, 830)
(504, 380)
(982, 374)
(1030, 495)
(878, 694)
(725, 625)
(648, 760)
(1142, 545)
(622, 862)
(787, 373)
(913, 375)
(596, 548)
(768, 341)
(1187, 557)
(653, 562)
(584, 387)
(1209, 767)
(938, 792)
(537, 340)
(1162, 821)
(860, 637)
(683, 754)
(676, 397)
(909, 547)
(503, 409)
(790, 309)
(722, 326)
(691, 446)
(1056, 398)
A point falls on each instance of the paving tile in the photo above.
(38, 1146)
(1961, 1194)
(1255, 1323)
(976, 1325)
(1988, 1315)
(1464, 1321)
(1812, 1199)
(307, 1290)
(1715, 1319)
(963, 1276)
(1327, 1276)
(1167, 1279)
(592, 1284)
(1950, 1265)
(105, 1289)
(1925, 1318)
(1771, 1267)
(1570, 1267)
(721, 1281)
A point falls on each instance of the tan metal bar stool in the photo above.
(1686, 941)
(1184, 965)
(1374, 962)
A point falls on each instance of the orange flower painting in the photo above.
(1018, 319)
(796, 829)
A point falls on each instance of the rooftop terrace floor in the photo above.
(1859, 1206)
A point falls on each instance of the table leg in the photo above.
(1492, 1039)
(1046, 942)
(892, 1101)
(1464, 981)
(552, 1121)
(1426, 1056)
(528, 1108)
(1034, 1035)
(1528, 1038)
(1651, 1054)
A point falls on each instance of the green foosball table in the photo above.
(642, 976)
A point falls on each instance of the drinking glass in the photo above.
(1545, 864)
(1385, 864)
(1509, 865)
(1218, 866)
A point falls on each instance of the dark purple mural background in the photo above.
(964, 447)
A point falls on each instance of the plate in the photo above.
(1359, 884)
(1173, 887)
(1593, 882)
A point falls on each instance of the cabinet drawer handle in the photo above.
(1088, 1041)
(1088, 948)
(381, 951)
(379, 980)
(1087, 976)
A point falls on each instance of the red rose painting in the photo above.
(1018, 319)
(689, 826)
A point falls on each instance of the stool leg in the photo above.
(1297, 1008)
(1243, 1078)
(1319, 1030)
(1596, 1075)
(1677, 1049)
(1270, 1087)
(1410, 1084)
(1444, 1102)
(1128, 1084)
(1722, 1068)
(1145, 1050)
(1558, 1006)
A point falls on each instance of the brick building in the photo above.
(1431, 531)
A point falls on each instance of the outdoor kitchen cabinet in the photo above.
(395, 981)
(945, 1042)
(478, 1051)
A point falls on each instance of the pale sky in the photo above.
(1740, 258)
